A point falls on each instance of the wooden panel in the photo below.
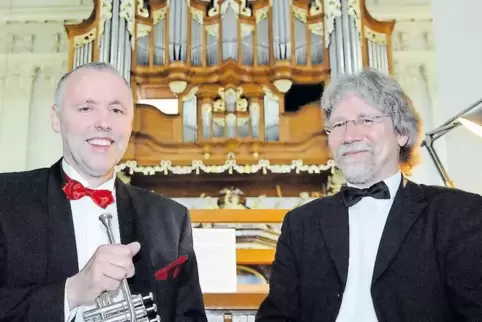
(162, 127)
(233, 301)
(248, 297)
(157, 136)
(264, 216)
(247, 256)
(301, 125)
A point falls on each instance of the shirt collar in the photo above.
(73, 174)
(392, 182)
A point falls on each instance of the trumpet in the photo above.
(132, 309)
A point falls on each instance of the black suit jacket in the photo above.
(38, 250)
(428, 266)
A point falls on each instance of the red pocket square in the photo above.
(175, 266)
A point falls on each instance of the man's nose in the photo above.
(103, 122)
(352, 132)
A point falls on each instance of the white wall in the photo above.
(414, 68)
(32, 59)
(457, 33)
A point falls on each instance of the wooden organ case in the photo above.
(228, 119)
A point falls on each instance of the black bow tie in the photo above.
(352, 195)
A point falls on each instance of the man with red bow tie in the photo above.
(55, 255)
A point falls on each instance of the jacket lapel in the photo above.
(62, 248)
(131, 230)
(335, 230)
(408, 204)
(125, 212)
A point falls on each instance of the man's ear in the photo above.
(402, 140)
(54, 119)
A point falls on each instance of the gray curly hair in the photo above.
(385, 94)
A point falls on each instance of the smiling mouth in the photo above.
(350, 153)
(105, 142)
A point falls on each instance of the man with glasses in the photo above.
(384, 248)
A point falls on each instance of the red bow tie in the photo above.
(75, 190)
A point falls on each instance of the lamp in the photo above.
(471, 118)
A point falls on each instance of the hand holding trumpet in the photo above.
(105, 270)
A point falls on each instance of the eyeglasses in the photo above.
(363, 122)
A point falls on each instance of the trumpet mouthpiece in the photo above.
(105, 217)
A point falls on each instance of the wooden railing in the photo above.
(246, 216)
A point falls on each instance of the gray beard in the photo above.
(357, 173)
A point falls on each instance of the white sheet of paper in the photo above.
(216, 256)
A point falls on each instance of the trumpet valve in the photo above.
(119, 311)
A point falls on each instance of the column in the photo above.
(32, 60)
(457, 28)
(14, 126)
(44, 146)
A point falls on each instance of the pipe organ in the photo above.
(298, 35)
(228, 69)
(106, 35)
(206, 53)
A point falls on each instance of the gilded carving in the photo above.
(316, 8)
(84, 39)
(332, 11)
(105, 14)
(160, 14)
(316, 28)
(375, 37)
(354, 12)
(141, 9)
(263, 167)
(300, 13)
(143, 30)
(197, 15)
(127, 11)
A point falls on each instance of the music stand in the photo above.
(472, 121)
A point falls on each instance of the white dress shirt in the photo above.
(90, 233)
(366, 222)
